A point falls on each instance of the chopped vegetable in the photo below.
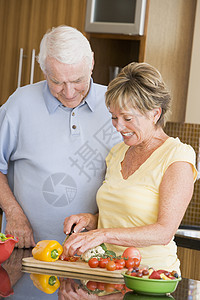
(150, 273)
(47, 250)
(3, 237)
(98, 251)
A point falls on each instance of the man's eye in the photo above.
(55, 82)
(78, 81)
(128, 119)
(114, 118)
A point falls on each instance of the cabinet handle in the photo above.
(20, 67)
(32, 66)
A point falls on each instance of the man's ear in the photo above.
(92, 62)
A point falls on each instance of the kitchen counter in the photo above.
(72, 284)
(188, 237)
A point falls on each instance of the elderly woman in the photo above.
(149, 180)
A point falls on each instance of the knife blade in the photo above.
(68, 235)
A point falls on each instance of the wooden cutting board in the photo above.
(79, 267)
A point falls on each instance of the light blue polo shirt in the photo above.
(54, 156)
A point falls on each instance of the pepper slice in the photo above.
(47, 250)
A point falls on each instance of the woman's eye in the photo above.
(114, 118)
(128, 119)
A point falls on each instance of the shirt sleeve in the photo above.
(183, 152)
(7, 140)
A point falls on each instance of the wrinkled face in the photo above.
(134, 127)
(68, 83)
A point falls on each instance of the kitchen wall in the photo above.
(189, 131)
(190, 134)
(193, 103)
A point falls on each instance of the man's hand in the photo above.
(19, 226)
(82, 221)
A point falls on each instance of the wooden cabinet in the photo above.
(189, 259)
(166, 44)
(113, 50)
(116, 50)
(22, 25)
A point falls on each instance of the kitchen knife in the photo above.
(68, 235)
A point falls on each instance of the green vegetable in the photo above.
(103, 246)
(3, 237)
(110, 253)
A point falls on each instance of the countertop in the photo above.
(72, 285)
(188, 237)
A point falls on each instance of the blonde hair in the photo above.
(139, 86)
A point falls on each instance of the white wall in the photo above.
(193, 98)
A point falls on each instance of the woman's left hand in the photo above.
(78, 243)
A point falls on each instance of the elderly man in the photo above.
(54, 137)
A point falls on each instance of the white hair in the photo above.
(66, 44)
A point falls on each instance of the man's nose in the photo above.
(68, 90)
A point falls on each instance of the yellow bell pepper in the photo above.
(45, 283)
(47, 250)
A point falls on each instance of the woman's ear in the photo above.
(156, 114)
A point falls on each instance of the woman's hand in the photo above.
(70, 290)
(78, 243)
(82, 221)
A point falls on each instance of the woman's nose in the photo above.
(119, 126)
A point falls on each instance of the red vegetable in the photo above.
(132, 252)
(103, 262)
(111, 265)
(91, 285)
(71, 258)
(93, 262)
(120, 261)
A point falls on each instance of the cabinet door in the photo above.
(22, 25)
(46, 14)
(14, 26)
(168, 47)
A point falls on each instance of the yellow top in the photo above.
(134, 202)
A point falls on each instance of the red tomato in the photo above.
(101, 286)
(132, 252)
(118, 266)
(71, 258)
(103, 262)
(136, 261)
(91, 285)
(111, 266)
(109, 287)
(129, 263)
(119, 286)
(120, 261)
(93, 262)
